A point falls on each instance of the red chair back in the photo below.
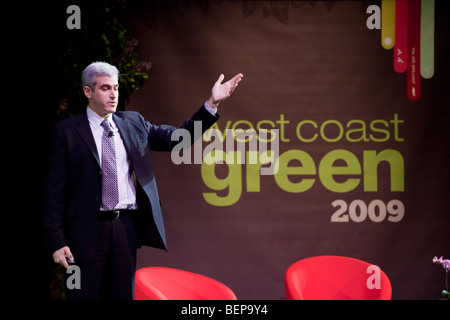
(159, 283)
(336, 278)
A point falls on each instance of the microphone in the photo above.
(110, 134)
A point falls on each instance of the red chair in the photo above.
(335, 278)
(159, 283)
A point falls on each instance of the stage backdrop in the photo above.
(363, 156)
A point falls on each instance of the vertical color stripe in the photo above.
(388, 23)
(413, 71)
(427, 39)
(401, 36)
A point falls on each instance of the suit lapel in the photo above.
(85, 131)
(124, 131)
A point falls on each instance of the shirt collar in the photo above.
(95, 120)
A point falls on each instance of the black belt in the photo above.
(115, 214)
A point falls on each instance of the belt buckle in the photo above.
(117, 212)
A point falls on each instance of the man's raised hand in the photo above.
(221, 91)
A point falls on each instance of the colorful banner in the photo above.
(427, 39)
(413, 70)
(388, 23)
(401, 36)
(408, 27)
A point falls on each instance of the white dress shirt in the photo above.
(126, 178)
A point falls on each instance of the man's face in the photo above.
(103, 100)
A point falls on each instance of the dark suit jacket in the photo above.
(72, 191)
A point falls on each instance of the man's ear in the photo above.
(87, 92)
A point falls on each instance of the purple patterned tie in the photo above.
(110, 189)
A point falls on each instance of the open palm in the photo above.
(222, 91)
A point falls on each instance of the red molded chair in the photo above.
(335, 278)
(159, 283)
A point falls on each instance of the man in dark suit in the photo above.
(100, 197)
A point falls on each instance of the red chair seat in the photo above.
(334, 278)
(160, 283)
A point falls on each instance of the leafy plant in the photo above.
(102, 37)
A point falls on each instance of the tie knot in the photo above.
(106, 126)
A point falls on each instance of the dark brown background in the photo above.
(318, 61)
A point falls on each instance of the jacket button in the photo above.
(97, 197)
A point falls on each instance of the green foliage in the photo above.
(102, 37)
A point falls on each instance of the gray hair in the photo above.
(96, 69)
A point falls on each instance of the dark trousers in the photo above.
(110, 274)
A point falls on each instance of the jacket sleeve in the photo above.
(54, 193)
(160, 137)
